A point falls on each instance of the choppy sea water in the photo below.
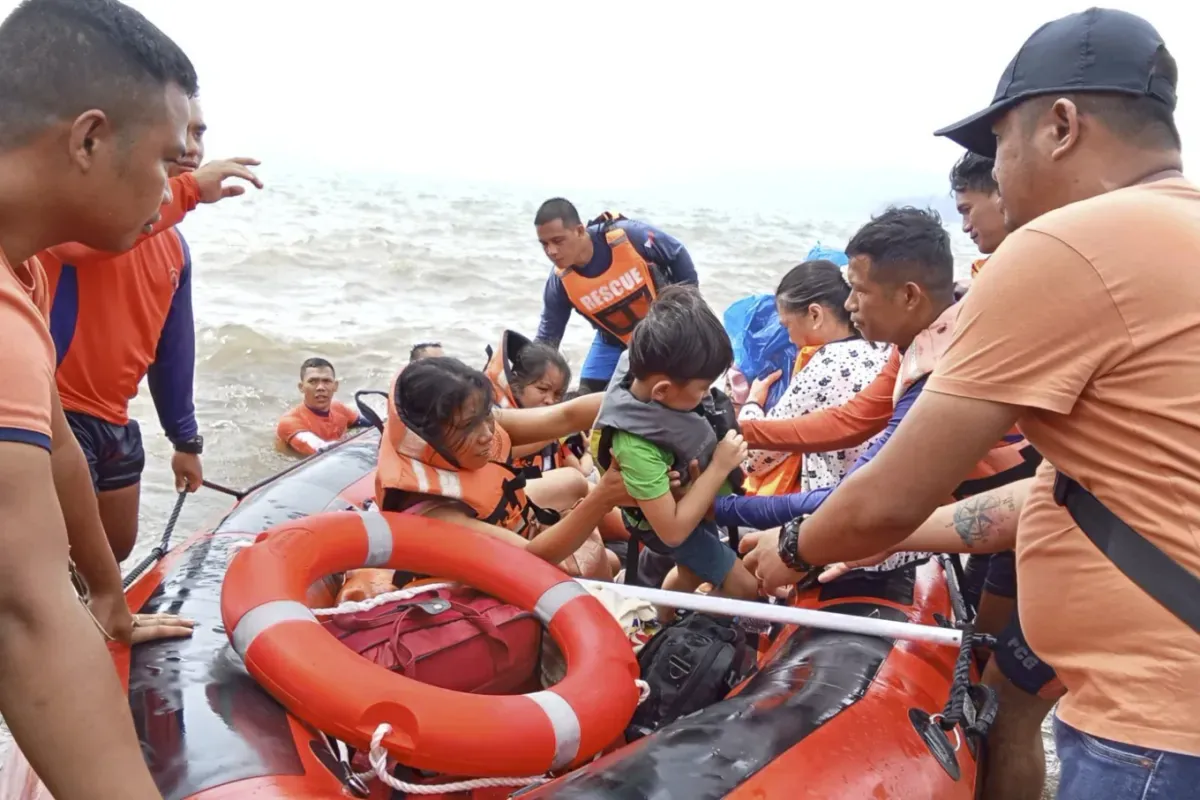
(358, 269)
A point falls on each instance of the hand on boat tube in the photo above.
(761, 388)
(152, 627)
(212, 177)
(113, 616)
(189, 472)
(760, 555)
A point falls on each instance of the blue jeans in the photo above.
(1101, 769)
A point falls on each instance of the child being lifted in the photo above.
(653, 421)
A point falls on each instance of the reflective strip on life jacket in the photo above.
(495, 492)
(619, 298)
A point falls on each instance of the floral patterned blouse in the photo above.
(834, 374)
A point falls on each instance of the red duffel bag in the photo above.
(456, 638)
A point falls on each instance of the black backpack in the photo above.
(690, 664)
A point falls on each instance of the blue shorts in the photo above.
(1002, 574)
(114, 452)
(1016, 661)
(601, 361)
(995, 573)
(703, 552)
(1093, 767)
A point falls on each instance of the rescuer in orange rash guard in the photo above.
(118, 318)
(320, 421)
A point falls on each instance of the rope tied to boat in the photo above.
(971, 706)
(160, 550)
(378, 757)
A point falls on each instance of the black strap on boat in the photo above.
(367, 412)
(1160, 576)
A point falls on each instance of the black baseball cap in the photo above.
(1098, 50)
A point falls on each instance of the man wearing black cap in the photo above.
(1085, 330)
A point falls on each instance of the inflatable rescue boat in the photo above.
(825, 714)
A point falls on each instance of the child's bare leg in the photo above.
(739, 583)
(679, 579)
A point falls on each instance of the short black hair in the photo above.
(431, 393)
(557, 208)
(59, 58)
(418, 350)
(1138, 120)
(973, 173)
(533, 360)
(681, 338)
(907, 244)
(817, 281)
(316, 363)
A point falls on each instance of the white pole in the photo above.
(787, 615)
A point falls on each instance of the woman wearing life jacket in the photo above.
(833, 364)
(527, 374)
(446, 453)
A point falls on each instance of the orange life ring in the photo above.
(328, 686)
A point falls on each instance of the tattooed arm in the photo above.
(985, 523)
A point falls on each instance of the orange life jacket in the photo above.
(618, 299)
(977, 265)
(499, 368)
(783, 477)
(495, 493)
(1010, 454)
(499, 372)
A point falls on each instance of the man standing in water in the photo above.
(118, 318)
(609, 271)
(319, 422)
(1099, 371)
(93, 108)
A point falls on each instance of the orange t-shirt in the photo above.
(109, 316)
(109, 310)
(27, 357)
(306, 431)
(1089, 319)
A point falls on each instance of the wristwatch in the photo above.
(193, 446)
(789, 548)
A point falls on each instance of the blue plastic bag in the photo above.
(820, 251)
(760, 342)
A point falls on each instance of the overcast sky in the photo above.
(623, 95)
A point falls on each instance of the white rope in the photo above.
(353, 606)
(379, 762)
(378, 757)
